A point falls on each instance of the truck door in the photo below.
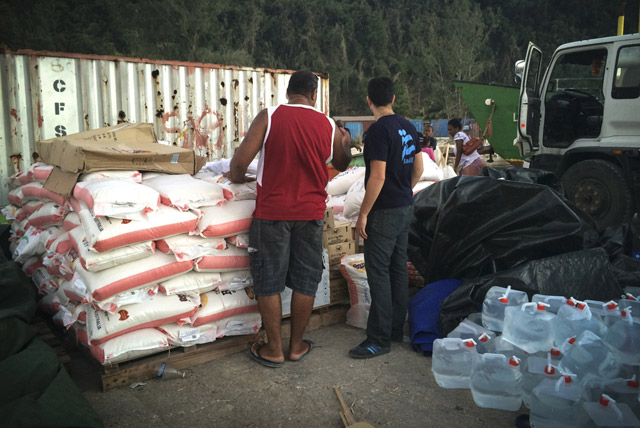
(529, 106)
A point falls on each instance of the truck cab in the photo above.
(580, 118)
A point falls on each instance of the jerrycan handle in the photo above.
(609, 402)
(565, 378)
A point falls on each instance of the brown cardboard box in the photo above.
(341, 232)
(329, 223)
(334, 272)
(339, 291)
(336, 251)
(128, 146)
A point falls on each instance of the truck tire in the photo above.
(598, 188)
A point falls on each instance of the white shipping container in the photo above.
(207, 107)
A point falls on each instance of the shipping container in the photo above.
(207, 107)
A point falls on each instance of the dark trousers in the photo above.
(385, 256)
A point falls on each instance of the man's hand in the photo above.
(361, 225)
(244, 179)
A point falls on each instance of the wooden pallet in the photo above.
(127, 373)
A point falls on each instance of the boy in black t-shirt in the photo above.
(392, 169)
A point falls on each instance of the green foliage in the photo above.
(424, 45)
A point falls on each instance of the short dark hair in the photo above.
(302, 82)
(380, 91)
(456, 123)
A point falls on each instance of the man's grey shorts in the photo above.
(285, 253)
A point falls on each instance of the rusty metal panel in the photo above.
(207, 107)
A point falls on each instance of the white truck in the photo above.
(580, 118)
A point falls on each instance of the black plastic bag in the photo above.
(586, 274)
(466, 227)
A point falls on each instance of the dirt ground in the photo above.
(392, 390)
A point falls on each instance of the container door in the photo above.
(529, 106)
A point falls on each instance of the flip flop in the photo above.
(306, 354)
(260, 360)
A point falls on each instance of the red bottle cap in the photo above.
(469, 343)
(612, 305)
(604, 401)
(504, 299)
(483, 337)
(550, 370)
(581, 306)
(513, 361)
(572, 340)
(567, 379)
(541, 307)
(555, 352)
(633, 383)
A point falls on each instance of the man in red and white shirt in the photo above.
(295, 142)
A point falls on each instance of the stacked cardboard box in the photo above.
(338, 239)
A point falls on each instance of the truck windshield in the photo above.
(579, 72)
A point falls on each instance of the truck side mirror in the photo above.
(519, 69)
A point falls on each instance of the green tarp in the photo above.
(35, 390)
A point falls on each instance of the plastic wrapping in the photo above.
(466, 227)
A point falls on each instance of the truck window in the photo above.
(626, 81)
(574, 97)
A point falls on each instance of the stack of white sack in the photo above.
(346, 190)
(94, 256)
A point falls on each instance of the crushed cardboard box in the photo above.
(127, 146)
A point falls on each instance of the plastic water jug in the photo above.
(495, 302)
(557, 403)
(554, 302)
(623, 391)
(529, 327)
(589, 357)
(496, 382)
(452, 360)
(535, 370)
(606, 412)
(624, 338)
(574, 318)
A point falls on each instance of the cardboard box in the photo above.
(323, 295)
(334, 272)
(341, 232)
(128, 146)
(329, 223)
(339, 290)
(336, 251)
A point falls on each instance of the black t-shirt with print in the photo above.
(394, 140)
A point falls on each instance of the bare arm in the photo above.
(341, 149)
(249, 148)
(458, 154)
(417, 170)
(374, 186)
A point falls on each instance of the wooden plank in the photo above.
(142, 369)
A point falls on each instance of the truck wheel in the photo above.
(598, 188)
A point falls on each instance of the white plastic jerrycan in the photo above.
(536, 369)
(557, 403)
(529, 327)
(589, 357)
(496, 382)
(624, 338)
(574, 318)
(495, 302)
(452, 360)
(607, 413)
